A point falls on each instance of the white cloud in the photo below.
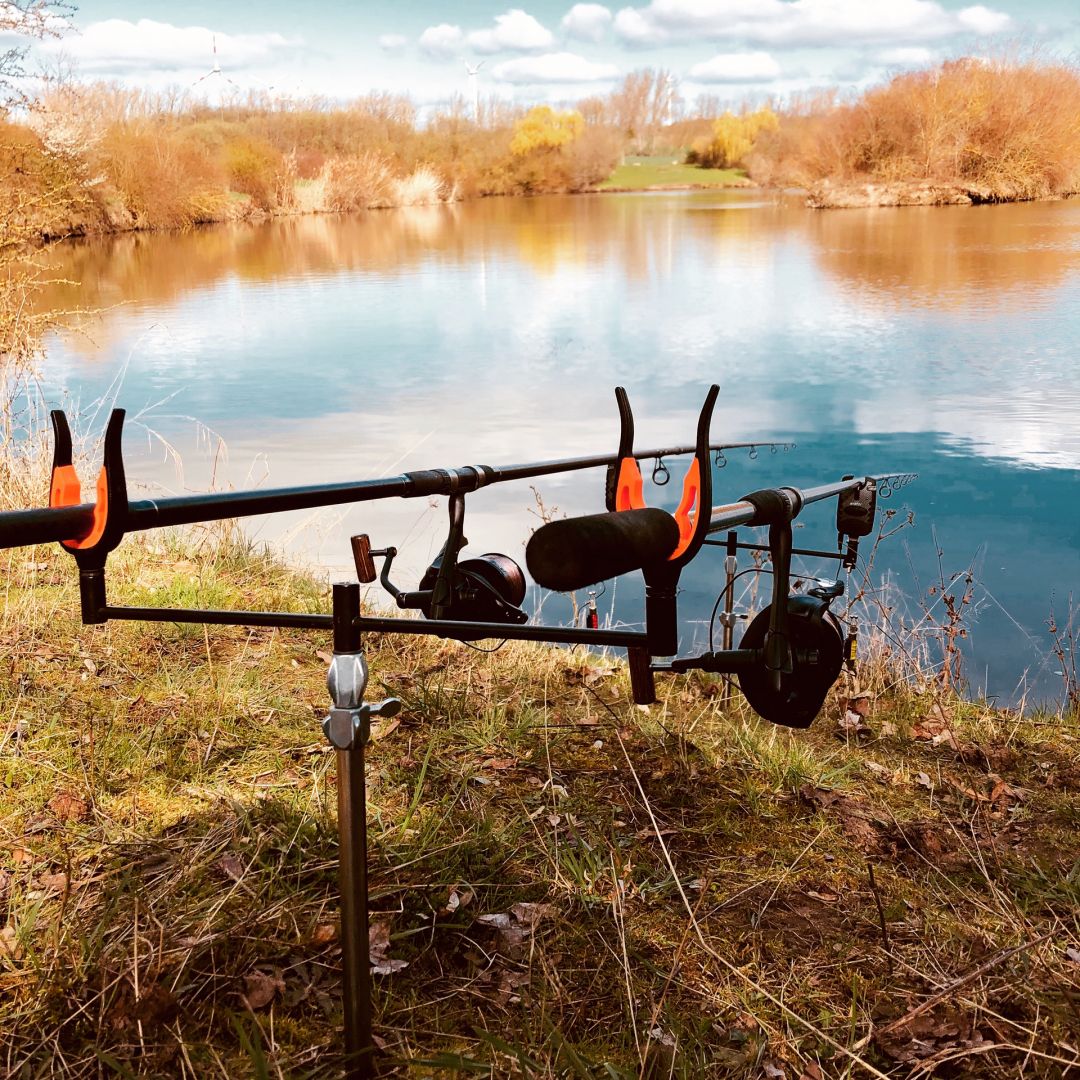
(800, 23)
(562, 67)
(737, 68)
(589, 22)
(116, 46)
(392, 43)
(981, 20)
(911, 56)
(514, 31)
(442, 41)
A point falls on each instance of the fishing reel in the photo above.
(793, 695)
(488, 588)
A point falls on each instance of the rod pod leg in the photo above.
(352, 862)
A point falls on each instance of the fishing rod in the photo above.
(789, 655)
(66, 519)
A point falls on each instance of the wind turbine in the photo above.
(216, 69)
(472, 70)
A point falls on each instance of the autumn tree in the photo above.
(733, 138)
(542, 128)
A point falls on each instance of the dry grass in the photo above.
(578, 888)
(1002, 129)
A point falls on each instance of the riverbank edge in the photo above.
(245, 212)
(836, 195)
(826, 196)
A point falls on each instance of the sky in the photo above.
(545, 50)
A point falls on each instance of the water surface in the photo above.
(937, 340)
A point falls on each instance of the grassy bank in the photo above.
(965, 131)
(563, 884)
(645, 173)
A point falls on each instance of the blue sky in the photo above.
(543, 50)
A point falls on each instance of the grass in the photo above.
(576, 887)
(642, 173)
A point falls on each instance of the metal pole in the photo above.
(352, 864)
(728, 619)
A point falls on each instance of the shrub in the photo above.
(422, 187)
(254, 167)
(164, 179)
(1007, 128)
(356, 183)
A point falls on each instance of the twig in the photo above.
(881, 916)
(952, 987)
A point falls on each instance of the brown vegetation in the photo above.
(966, 131)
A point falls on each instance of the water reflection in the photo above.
(940, 340)
(966, 260)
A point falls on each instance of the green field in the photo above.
(668, 171)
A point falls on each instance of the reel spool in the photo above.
(488, 588)
(817, 655)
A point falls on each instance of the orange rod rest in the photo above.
(629, 492)
(67, 491)
(689, 507)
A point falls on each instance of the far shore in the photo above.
(824, 196)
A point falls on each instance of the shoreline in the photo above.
(825, 196)
(831, 195)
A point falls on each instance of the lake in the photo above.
(942, 341)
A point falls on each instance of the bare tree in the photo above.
(645, 101)
(29, 19)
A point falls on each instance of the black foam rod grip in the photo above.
(577, 552)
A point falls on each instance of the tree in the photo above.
(30, 19)
(732, 139)
(542, 128)
(643, 103)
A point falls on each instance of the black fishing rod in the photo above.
(58, 522)
(789, 655)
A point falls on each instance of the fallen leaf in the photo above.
(530, 914)
(68, 806)
(231, 866)
(383, 729)
(324, 933)
(499, 763)
(261, 988)
(90, 666)
(1073, 954)
(772, 1071)
(55, 881)
(924, 781)
(811, 1072)
(9, 943)
(21, 857)
(378, 946)
(457, 899)
(324, 656)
